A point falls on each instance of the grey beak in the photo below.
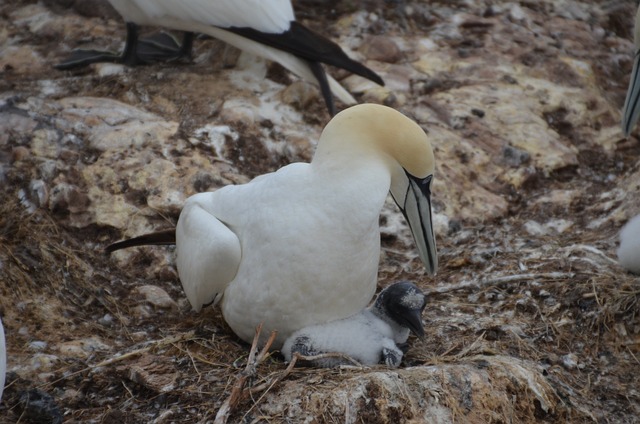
(413, 320)
(416, 208)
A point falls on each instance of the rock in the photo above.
(559, 225)
(155, 296)
(109, 69)
(113, 125)
(561, 198)
(43, 361)
(300, 95)
(570, 361)
(534, 228)
(67, 198)
(20, 59)
(37, 345)
(155, 373)
(14, 124)
(19, 153)
(480, 383)
(108, 210)
(38, 406)
(107, 320)
(82, 348)
(381, 48)
(38, 193)
(215, 137)
(514, 157)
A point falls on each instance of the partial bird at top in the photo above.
(3, 359)
(631, 109)
(301, 246)
(629, 250)
(265, 28)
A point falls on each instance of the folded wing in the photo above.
(208, 255)
(272, 16)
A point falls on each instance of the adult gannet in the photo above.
(370, 336)
(300, 246)
(629, 250)
(631, 109)
(3, 359)
(265, 28)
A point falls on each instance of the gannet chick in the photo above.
(301, 246)
(371, 336)
(631, 109)
(629, 250)
(265, 28)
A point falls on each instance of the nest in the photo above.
(501, 346)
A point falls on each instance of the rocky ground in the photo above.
(530, 319)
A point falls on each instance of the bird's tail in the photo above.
(159, 238)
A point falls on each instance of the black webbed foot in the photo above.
(159, 47)
(80, 58)
(392, 357)
(165, 47)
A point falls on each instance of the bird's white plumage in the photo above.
(362, 337)
(211, 17)
(270, 16)
(308, 234)
(3, 359)
(200, 231)
(629, 250)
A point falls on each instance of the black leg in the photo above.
(321, 76)
(130, 53)
(187, 45)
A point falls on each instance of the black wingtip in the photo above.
(309, 45)
(166, 237)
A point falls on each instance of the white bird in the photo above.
(3, 359)
(631, 109)
(370, 336)
(301, 246)
(265, 28)
(629, 250)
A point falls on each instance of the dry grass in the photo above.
(499, 344)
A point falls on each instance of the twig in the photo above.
(634, 356)
(238, 390)
(590, 249)
(328, 355)
(150, 345)
(157, 343)
(491, 281)
(465, 351)
(269, 385)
